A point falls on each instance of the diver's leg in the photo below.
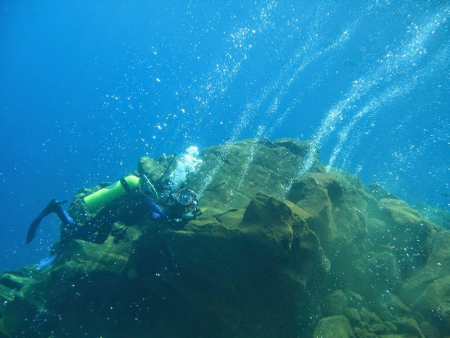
(97, 229)
(64, 217)
(103, 232)
(68, 228)
(68, 223)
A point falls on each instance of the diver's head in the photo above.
(185, 203)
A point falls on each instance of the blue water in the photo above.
(87, 87)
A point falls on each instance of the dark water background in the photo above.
(87, 87)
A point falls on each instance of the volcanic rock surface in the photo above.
(274, 254)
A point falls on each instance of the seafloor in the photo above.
(331, 258)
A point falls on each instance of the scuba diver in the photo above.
(129, 200)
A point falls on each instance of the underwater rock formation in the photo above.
(272, 255)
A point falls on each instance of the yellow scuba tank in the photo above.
(112, 192)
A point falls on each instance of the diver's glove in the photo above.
(191, 215)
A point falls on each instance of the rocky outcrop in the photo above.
(272, 255)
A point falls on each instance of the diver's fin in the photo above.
(53, 206)
(46, 262)
(32, 230)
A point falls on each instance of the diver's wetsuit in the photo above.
(97, 229)
(130, 209)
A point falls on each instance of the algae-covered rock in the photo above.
(434, 301)
(232, 174)
(436, 267)
(434, 214)
(156, 168)
(408, 326)
(12, 281)
(336, 326)
(380, 193)
(272, 255)
(322, 196)
(335, 304)
(245, 262)
(391, 307)
(409, 234)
